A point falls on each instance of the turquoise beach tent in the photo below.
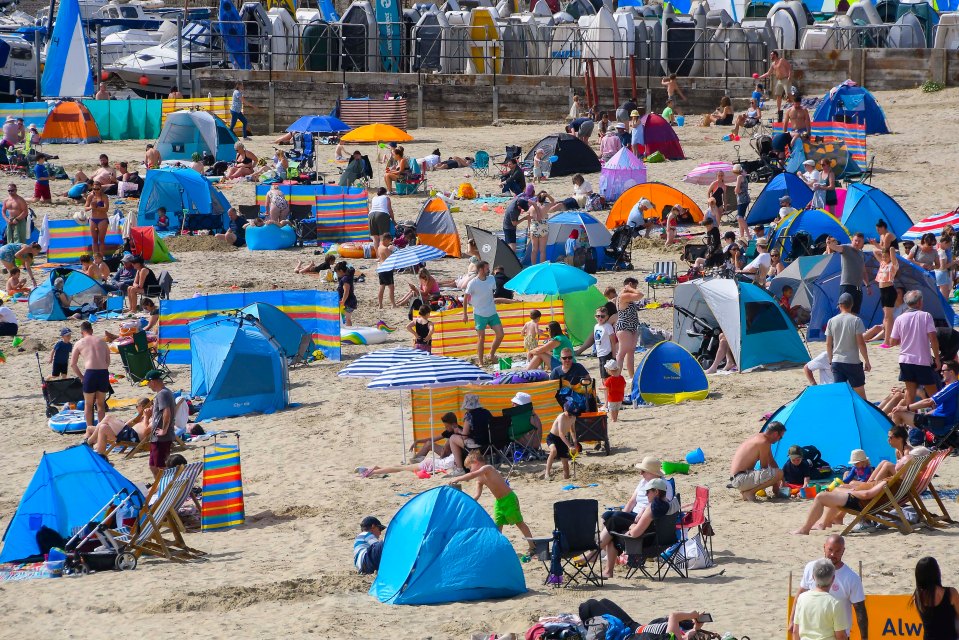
(765, 209)
(816, 223)
(836, 420)
(179, 189)
(237, 367)
(853, 104)
(66, 72)
(442, 546)
(866, 204)
(187, 132)
(68, 488)
(79, 288)
(668, 374)
(293, 339)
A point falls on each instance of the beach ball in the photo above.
(144, 81)
(104, 75)
(755, 76)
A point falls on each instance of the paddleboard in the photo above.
(389, 30)
(485, 48)
(328, 10)
(70, 421)
(233, 32)
(601, 42)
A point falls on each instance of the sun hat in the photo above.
(521, 398)
(651, 465)
(657, 483)
(807, 162)
(634, 113)
(612, 365)
(619, 125)
(857, 456)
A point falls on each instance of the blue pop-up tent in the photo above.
(178, 189)
(187, 132)
(669, 374)
(766, 207)
(866, 204)
(293, 339)
(237, 367)
(836, 420)
(852, 104)
(68, 488)
(442, 546)
(815, 223)
(45, 302)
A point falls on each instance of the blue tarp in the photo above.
(669, 374)
(179, 189)
(766, 207)
(853, 104)
(441, 547)
(866, 204)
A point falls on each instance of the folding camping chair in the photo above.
(520, 424)
(138, 359)
(863, 177)
(660, 545)
(576, 523)
(667, 271)
(697, 515)
(162, 288)
(480, 166)
(249, 211)
(495, 442)
(415, 181)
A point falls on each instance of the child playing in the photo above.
(41, 189)
(386, 280)
(561, 438)
(615, 385)
(163, 221)
(758, 94)
(345, 290)
(541, 166)
(16, 284)
(422, 330)
(796, 471)
(531, 331)
(426, 467)
(860, 468)
(60, 355)
(672, 88)
(506, 508)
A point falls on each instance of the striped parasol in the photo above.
(376, 362)
(932, 224)
(704, 174)
(409, 256)
(431, 372)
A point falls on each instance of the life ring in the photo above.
(70, 421)
(355, 250)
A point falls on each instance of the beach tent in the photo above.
(621, 172)
(494, 251)
(560, 225)
(756, 327)
(661, 195)
(668, 374)
(836, 420)
(852, 103)
(766, 206)
(659, 135)
(815, 223)
(866, 204)
(435, 227)
(70, 123)
(79, 288)
(925, 16)
(68, 488)
(579, 309)
(187, 132)
(572, 155)
(293, 339)
(237, 367)
(833, 150)
(180, 189)
(932, 224)
(442, 546)
(148, 244)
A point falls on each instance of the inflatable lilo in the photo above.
(270, 237)
(362, 335)
(69, 421)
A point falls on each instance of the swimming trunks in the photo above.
(96, 380)
(506, 510)
(562, 451)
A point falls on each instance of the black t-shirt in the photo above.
(237, 227)
(796, 474)
(513, 211)
(341, 287)
(575, 374)
(712, 239)
(151, 279)
(501, 291)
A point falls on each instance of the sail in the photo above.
(66, 73)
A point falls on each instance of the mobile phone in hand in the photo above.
(704, 617)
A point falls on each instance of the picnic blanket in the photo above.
(16, 571)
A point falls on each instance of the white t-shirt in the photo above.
(430, 161)
(7, 315)
(821, 364)
(380, 203)
(785, 212)
(640, 495)
(481, 296)
(636, 217)
(811, 177)
(760, 259)
(846, 588)
(584, 189)
(601, 337)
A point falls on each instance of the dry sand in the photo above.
(288, 571)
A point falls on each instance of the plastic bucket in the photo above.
(808, 492)
(696, 456)
(669, 468)
(680, 120)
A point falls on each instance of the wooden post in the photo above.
(589, 89)
(592, 73)
(612, 71)
(271, 108)
(632, 74)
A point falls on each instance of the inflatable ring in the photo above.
(70, 421)
(362, 335)
(355, 249)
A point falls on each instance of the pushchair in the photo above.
(92, 548)
(57, 393)
(708, 334)
(620, 248)
(769, 164)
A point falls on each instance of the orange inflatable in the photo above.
(661, 195)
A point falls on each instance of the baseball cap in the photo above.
(65, 331)
(522, 398)
(785, 199)
(369, 522)
(153, 374)
(657, 483)
(571, 408)
(845, 299)
(127, 257)
(619, 125)
(795, 450)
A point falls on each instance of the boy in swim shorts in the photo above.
(561, 438)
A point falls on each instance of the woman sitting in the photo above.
(428, 287)
(749, 119)
(153, 315)
(550, 349)
(242, 165)
(397, 171)
(722, 116)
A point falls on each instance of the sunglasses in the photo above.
(566, 358)
(600, 315)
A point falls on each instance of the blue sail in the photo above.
(66, 73)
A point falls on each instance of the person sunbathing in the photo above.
(429, 465)
(105, 432)
(312, 267)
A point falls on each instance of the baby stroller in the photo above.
(620, 248)
(769, 164)
(708, 334)
(93, 548)
(57, 393)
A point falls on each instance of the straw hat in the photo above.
(651, 465)
(857, 456)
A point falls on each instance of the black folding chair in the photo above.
(162, 288)
(577, 523)
(494, 442)
(660, 546)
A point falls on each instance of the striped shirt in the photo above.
(360, 548)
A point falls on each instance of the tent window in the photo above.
(238, 382)
(762, 317)
(223, 136)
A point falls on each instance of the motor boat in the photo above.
(121, 43)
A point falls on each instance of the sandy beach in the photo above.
(288, 570)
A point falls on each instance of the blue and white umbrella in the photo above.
(376, 362)
(410, 256)
(428, 373)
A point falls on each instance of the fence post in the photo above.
(495, 102)
(271, 108)
(419, 102)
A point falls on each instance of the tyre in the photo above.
(126, 561)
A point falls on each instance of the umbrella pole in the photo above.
(432, 442)
(403, 425)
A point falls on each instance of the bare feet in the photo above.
(748, 496)
(799, 532)
(546, 476)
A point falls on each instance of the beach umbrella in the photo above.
(409, 256)
(704, 174)
(318, 124)
(551, 279)
(377, 132)
(932, 224)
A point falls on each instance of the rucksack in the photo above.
(820, 468)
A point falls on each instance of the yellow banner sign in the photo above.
(890, 616)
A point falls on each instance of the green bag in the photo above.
(656, 156)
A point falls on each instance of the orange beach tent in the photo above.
(435, 227)
(70, 123)
(661, 195)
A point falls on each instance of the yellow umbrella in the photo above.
(377, 132)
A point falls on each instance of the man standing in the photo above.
(512, 217)
(102, 93)
(846, 587)
(844, 344)
(781, 73)
(744, 477)
(152, 157)
(15, 212)
(915, 333)
(96, 375)
(480, 293)
(367, 547)
(161, 427)
(853, 264)
(381, 216)
(236, 110)
(817, 613)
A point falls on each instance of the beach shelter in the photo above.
(435, 227)
(147, 243)
(45, 304)
(866, 204)
(668, 374)
(834, 151)
(851, 103)
(766, 206)
(494, 251)
(293, 339)
(756, 327)
(377, 132)
(661, 195)
(659, 135)
(816, 224)
(579, 309)
(178, 190)
(836, 420)
(932, 224)
(70, 123)
(621, 172)
(68, 488)
(187, 132)
(237, 366)
(442, 546)
(571, 154)
(66, 72)
(562, 223)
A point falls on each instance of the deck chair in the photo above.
(924, 484)
(138, 359)
(190, 473)
(885, 508)
(660, 546)
(697, 515)
(480, 166)
(577, 522)
(864, 176)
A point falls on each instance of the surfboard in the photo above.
(389, 30)
(233, 32)
(328, 11)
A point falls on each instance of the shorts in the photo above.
(349, 308)
(539, 229)
(60, 368)
(780, 88)
(887, 296)
(571, 204)
(482, 322)
(856, 294)
(748, 480)
(441, 464)
(506, 510)
(8, 253)
(385, 277)
(603, 373)
(852, 503)
(725, 121)
(741, 209)
(379, 223)
(96, 381)
(614, 405)
(921, 374)
(854, 374)
(509, 235)
(936, 424)
(159, 452)
(586, 129)
(562, 451)
(41, 191)
(943, 278)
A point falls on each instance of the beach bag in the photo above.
(594, 202)
(656, 156)
(820, 468)
(606, 627)
(695, 554)
(536, 632)
(466, 191)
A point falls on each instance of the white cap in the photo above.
(522, 398)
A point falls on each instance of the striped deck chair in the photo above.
(923, 484)
(886, 509)
(189, 477)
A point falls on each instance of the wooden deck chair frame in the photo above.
(885, 508)
(924, 483)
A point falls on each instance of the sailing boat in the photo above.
(66, 73)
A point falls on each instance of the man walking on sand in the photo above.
(846, 588)
(96, 374)
(480, 293)
(846, 347)
(743, 475)
(781, 73)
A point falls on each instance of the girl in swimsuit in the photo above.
(627, 324)
(422, 330)
(279, 208)
(97, 205)
(243, 165)
(718, 189)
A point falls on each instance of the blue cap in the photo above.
(65, 331)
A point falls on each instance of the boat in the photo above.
(259, 34)
(457, 45)
(320, 45)
(119, 44)
(18, 69)
(284, 39)
(430, 42)
(947, 33)
(233, 35)
(565, 50)
(485, 44)
(601, 42)
(359, 33)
